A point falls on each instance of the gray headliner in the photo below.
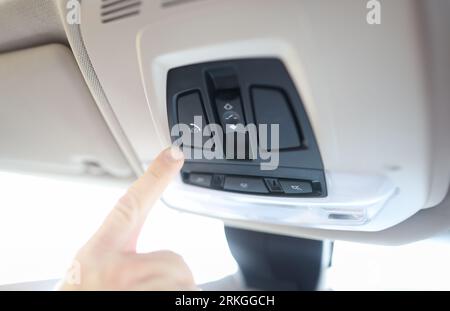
(25, 23)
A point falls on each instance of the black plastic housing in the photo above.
(303, 162)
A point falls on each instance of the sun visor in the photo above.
(49, 122)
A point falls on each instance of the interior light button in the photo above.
(202, 180)
(245, 184)
(271, 106)
(295, 186)
(190, 106)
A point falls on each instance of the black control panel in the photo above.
(255, 185)
(246, 92)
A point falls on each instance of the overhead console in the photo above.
(238, 97)
(244, 129)
(362, 130)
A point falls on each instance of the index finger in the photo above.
(121, 228)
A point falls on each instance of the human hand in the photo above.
(108, 261)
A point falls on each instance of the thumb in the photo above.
(122, 226)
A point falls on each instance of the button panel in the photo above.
(255, 185)
(251, 93)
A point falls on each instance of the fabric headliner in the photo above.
(28, 23)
